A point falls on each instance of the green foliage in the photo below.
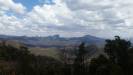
(99, 65)
(117, 50)
(102, 66)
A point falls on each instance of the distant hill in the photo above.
(52, 45)
(54, 41)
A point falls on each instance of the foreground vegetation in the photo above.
(117, 60)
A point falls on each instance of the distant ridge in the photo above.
(54, 41)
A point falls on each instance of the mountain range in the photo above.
(54, 41)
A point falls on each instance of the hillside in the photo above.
(54, 41)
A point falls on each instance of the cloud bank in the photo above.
(104, 18)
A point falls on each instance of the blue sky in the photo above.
(69, 18)
(28, 3)
(31, 3)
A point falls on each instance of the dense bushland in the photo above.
(117, 60)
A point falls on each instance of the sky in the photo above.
(68, 18)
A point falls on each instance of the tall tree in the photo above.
(117, 50)
(79, 63)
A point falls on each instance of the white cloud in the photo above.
(10, 25)
(104, 18)
(10, 5)
(50, 14)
